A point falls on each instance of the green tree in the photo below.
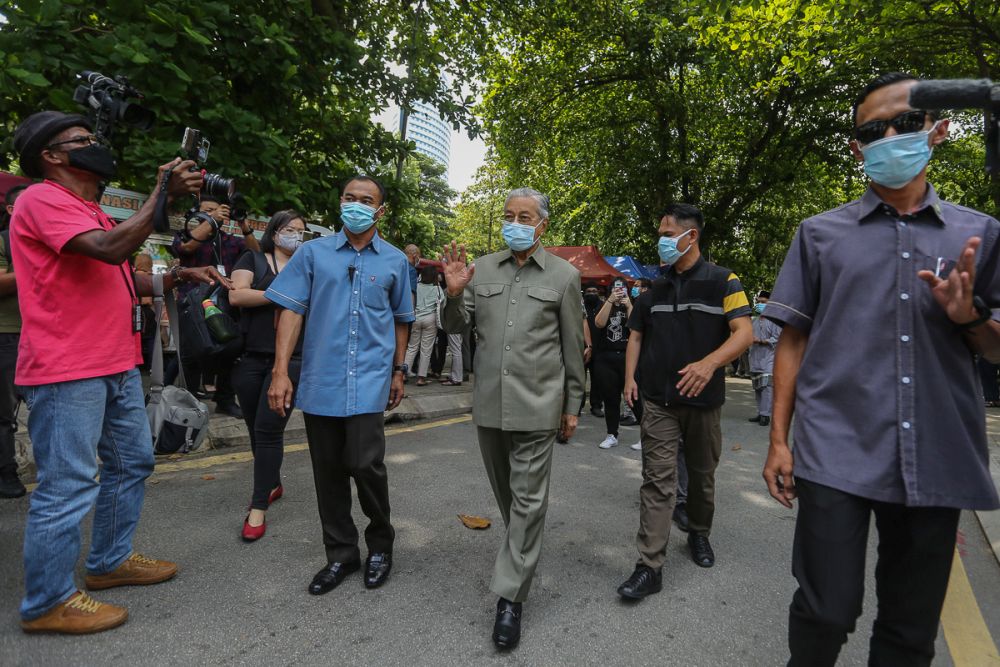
(285, 91)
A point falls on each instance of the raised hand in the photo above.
(457, 271)
(954, 292)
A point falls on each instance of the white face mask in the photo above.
(289, 241)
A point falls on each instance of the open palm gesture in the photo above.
(457, 271)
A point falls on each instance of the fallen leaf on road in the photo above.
(474, 522)
(737, 448)
(208, 478)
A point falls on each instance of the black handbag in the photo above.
(194, 332)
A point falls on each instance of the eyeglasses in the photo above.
(905, 123)
(89, 139)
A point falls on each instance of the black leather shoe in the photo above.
(644, 581)
(701, 550)
(11, 487)
(507, 629)
(331, 575)
(764, 421)
(229, 408)
(681, 517)
(754, 419)
(597, 412)
(628, 421)
(377, 569)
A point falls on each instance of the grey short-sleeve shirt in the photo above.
(888, 405)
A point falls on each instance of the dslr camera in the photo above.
(195, 146)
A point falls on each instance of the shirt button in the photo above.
(904, 296)
(355, 291)
(904, 338)
(905, 425)
(513, 300)
(352, 351)
(517, 279)
(506, 372)
(906, 255)
(902, 224)
(354, 333)
(350, 372)
(905, 380)
(355, 312)
(509, 323)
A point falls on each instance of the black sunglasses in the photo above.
(905, 123)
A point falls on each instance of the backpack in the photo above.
(198, 342)
(177, 420)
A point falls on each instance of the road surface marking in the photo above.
(965, 631)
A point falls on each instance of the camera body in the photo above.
(195, 146)
(107, 102)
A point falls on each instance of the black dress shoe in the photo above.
(229, 408)
(628, 421)
(764, 421)
(507, 628)
(331, 575)
(11, 486)
(377, 569)
(754, 419)
(681, 517)
(701, 550)
(644, 581)
(597, 412)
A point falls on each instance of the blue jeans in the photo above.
(72, 424)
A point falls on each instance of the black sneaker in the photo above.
(701, 550)
(754, 419)
(597, 412)
(11, 487)
(229, 408)
(681, 517)
(764, 421)
(644, 581)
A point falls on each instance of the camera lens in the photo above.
(219, 187)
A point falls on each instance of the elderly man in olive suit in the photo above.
(528, 381)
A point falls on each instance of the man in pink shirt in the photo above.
(76, 368)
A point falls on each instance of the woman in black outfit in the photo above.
(610, 338)
(252, 275)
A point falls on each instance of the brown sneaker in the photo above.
(136, 570)
(80, 614)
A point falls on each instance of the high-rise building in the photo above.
(429, 132)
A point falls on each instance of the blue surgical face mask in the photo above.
(518, 237)
(635, 292)
(667, 248)
(357, 217)
(895, 161)
(759, 308)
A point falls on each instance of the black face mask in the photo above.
(96, 159)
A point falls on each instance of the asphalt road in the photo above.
(236, 603)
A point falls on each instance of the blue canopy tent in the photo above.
(631, 267)
(652, 271)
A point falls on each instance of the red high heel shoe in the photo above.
(276, 493)
(253, 533)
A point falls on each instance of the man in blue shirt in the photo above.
(354, 287)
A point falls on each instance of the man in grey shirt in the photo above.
(765, 338)
(884, 302)
(529, 381)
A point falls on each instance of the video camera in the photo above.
(106, 100)
(965, 94)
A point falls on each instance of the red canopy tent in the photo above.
(589, 261)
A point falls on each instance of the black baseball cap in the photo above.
(35, 132)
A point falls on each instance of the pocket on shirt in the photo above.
(541, 302)
(375, 296)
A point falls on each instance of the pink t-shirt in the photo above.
(76, 310)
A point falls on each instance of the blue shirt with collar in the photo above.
(350, 315)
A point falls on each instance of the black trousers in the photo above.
(915, 550)
(988, 376)
(252, 379)
(440, 352)
(607, 373)
(342, 448)
(8, 403)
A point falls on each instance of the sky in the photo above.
(466, 154)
